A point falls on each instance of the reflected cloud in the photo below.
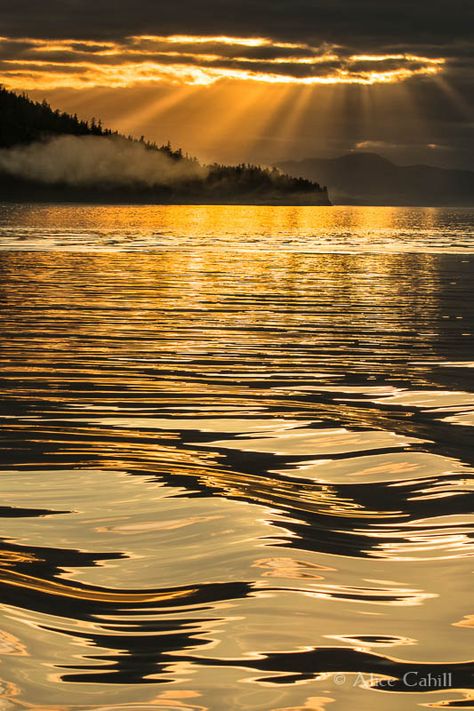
(389, 468)
(312, 441)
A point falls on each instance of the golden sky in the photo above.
(256, 80)
(232, 97)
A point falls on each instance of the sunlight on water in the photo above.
(237, 464)
(242, 228)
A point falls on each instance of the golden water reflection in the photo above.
(340, 229)
(228, 473)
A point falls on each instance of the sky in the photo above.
(260, 80)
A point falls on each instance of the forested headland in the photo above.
(48, 154)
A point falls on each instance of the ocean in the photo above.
(237, 464)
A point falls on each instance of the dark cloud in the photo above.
(345, 21)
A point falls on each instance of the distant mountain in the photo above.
(50, 155)
(369, 179)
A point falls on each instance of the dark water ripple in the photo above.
(231, 479)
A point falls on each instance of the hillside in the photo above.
(369, 179)
(51, 155)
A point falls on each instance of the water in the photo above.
(237, 458)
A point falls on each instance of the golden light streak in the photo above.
(55, 587)
(157, 108)
(319, 59)
(267, 107)
(386, 57)
(208, 39)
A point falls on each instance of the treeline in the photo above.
(253, 178)
(23, 121)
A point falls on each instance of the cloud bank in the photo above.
(30, 63)
(88, 161)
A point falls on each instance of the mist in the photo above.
(97, 161)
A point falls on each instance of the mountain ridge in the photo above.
(362, 178)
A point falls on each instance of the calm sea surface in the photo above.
(237, 458)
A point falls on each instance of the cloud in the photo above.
(441, 29)
(365, 22)
(199, 59)
(97, 161)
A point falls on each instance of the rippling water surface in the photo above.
(237, 458)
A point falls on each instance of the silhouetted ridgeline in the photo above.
(369, 179)
(51, 155)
